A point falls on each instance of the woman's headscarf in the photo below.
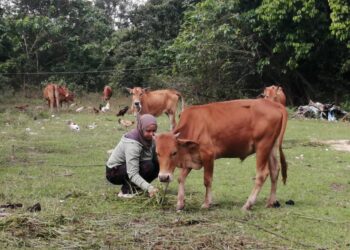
(143, 122)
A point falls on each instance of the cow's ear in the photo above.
(147, 89)
(189, 153)
(129, 90)
(192, 145)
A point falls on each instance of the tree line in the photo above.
(211, 49)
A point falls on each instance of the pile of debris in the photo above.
(318, 110)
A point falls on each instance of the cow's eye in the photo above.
(173, 153)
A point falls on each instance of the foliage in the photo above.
(296, 47)
(140, 49)
(219, 49)
(340, 27)
(69, 37)
(215, 49)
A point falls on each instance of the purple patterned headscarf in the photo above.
(143, 122)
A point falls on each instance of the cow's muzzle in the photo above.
(137, 106)
(164, 177)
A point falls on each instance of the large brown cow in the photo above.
(274, 93)
(56, 95)
(156, 102)
(236, 129)
(107, 93)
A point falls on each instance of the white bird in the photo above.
(73, 126)
(72, 105)
(92, 126)
(79, 109)
(105, 108)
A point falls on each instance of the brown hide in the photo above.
(275, 93)
(56, 95)
(225, 129)
(156, 102)
(107, 93)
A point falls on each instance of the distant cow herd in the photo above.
(204, 133)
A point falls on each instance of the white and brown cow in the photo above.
(156, 102)
(228, 129)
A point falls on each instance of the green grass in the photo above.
(64, 171)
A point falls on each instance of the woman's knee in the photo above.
(115, 175)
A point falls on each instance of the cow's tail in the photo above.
(283, 161)
(182, 100)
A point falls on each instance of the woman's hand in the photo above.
(152, 191)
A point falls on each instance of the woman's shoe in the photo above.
(122, 195)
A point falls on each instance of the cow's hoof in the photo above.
(179, 208)
(274, 204)
(246, 208)
(205, 206)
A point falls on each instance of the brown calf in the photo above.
(156, 102)
(235, 129)
(274, 93)
(56, 95)
(107, 93)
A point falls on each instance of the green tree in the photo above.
(216, 49)
(231, 48)
(52, 36)
(340, 28)
(298, 49)
(140, 49)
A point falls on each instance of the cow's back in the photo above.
(159, 101)
(231, 128)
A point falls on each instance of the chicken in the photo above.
(105, 108)
(122, 111)
(92, 126)
(96, 111)
(22, 107)
(125, 123)
(72, 105)
(80, 109)
(73, 126)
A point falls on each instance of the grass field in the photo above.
(42, 161)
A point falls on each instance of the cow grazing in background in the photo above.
(156, 102)
(65, 96)
(274, 93)
(107, 93)
(56, 95)
(235, 129)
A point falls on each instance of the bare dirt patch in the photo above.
(338, 187)
(341, 145)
